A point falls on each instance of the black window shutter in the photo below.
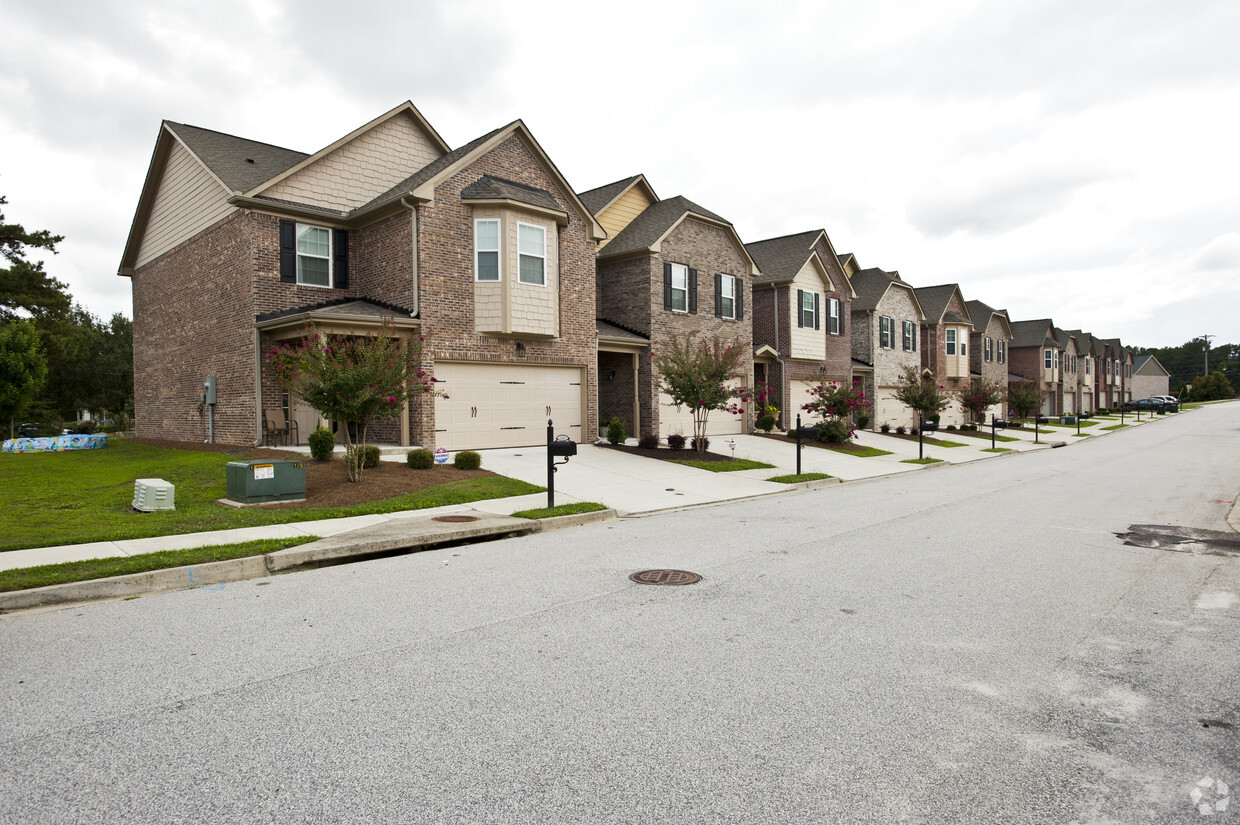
(800, 308)
(718, 294)
(693, 291)
(340, 258)
(817, 313)
(738, 288)
(288, 252)
(667, 286)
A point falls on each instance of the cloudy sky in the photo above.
(1073, 160)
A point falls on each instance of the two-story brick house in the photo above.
(1036, 356)
(1070, 384)
(886, 331)
(801, 317)
(483, 251)
(945, 337)
(668, 267)
(988, 357)
(1086, 370)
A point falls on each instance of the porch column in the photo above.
(404, 406)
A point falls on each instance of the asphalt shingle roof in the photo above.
(241, 164)
(596, 199)
(344, 307)
(933, 300)
(614, 332)
(489, 186)
(654, 221)
(871, 285)
(780, 259)
(1032, 333)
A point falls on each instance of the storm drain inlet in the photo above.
(454, 519)
(670, 577)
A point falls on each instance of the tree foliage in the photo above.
(978, 397)
(352, 379)
(1186, 362)
(22, 369)
(25, 289)
(1212, 387)
(695, 374)
(919, 392)
(834, 406)
(1024, 397)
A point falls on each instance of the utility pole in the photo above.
(1207, 338)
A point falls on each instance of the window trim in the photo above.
(499, 264)
(329, 257)
(908, 336)
(684, 269)
(835, 325)
(541, 258)
(988, 349)
(724, 312)
(949, 341)
(886, 329)
(1002, 348)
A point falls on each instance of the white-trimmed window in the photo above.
(531, 254)
(727, 296)
(910, 336)
(885, 332)
(833, 317)
(988, 349)
(964, 342)
(1046, 359)
(486, 249)
(680, 288)
(1088, 362)
(951, 341)
(1002, 351)
(314, 255)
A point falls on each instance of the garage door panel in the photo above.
(719, 423)
(505, 405)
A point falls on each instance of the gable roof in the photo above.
(645, 232)
(1142, 361)
(983, 313)
(489, 187)
(1064, 338)
(781, 259)
(240, 164)
(1033, 333)
(934, 300)
(870, 285)
(598, 199)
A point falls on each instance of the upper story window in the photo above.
(886, 332)
(988, 349)
(486, 250)
(807, 309)
(1002, 351)
(1087, 366)
(833, 317)
(951, 341)
(964, 343)
(531, 254)
(1047, 360)
(314, 255)
(729, 298)
(910, 336)
(679, 288)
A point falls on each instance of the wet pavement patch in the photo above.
(1182, 539)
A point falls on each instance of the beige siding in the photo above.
(621, 213)
(807, 342)
(533, 308)
(957, 365)
(188, 200)
(362, 169)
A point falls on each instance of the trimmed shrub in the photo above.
(912, 431)
(885, 428)
(321, 444)
(766, 423)
(900, 430)
(420, 459)
(863, 421)
(649, 441)
(467, 460)
(370, 457)
(85, 428)
(615, 431)
(951, 427)
(834, 431)
(693, 443)
(676, 441)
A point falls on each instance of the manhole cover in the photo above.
(454, 519)
(665, 577)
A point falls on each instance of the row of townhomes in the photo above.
(533, 300)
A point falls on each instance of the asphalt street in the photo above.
(991, 642)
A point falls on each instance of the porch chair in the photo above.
(278, 426)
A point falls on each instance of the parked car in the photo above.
(28, 430)
(1153, 404)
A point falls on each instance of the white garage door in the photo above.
(505, 405)
(1069, 403)
(889, 410)
(680, 421)
(798, 395)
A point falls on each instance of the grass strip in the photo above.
(1080, 435)
(940, 443)
(24, 578)
(1115, 427)
(926, 460)
(561, 510)
(795, 478)
(732, 465)
(997, 450)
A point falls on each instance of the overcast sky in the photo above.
(1073, 160)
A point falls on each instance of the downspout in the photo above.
(413, 248)
(258, 389)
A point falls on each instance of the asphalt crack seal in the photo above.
(1181, 540)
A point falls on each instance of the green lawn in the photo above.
(940, 443)
(561, 510)
(794, 478)
(85, 495)
(997, 450)
(1115, 426)
(24, 578)
(926, 460)
(732, 465)
(1090, 423)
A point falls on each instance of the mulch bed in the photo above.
(326, 482)
(843, 447)
(666, 454)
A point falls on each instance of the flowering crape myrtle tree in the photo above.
(696, 374)
(352, 379)
(979, 397)
(917, 391)
(1024, 397)
(834, 406)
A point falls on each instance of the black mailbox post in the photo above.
(561, 447)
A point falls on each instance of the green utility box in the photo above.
(253, 482)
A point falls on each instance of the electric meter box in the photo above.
(254, 482)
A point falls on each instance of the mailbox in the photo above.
(1000, 424)
(1041, 419)
(562, 447)
(930, 426)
